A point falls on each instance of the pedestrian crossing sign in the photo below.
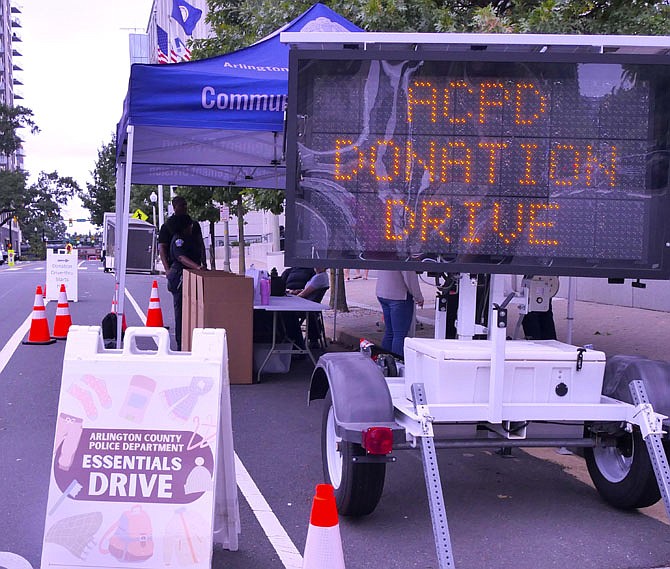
(139, 214)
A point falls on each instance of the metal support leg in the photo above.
(272, 347)
(431, 473)
(651, 428)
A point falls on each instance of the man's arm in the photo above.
(203, 251)
(305, 292)
(164, 238)
(188, 263)
(163, 254)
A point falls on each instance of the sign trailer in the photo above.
(489, 153)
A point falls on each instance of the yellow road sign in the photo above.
(139, 214)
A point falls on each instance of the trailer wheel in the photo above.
(358, 486)
(623, 473)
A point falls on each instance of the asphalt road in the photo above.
(504, 513)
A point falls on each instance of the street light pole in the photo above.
(153, 197)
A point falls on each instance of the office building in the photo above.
(171, 25)
(10, 42)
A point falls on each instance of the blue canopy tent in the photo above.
(212, 122)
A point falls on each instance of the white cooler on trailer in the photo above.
(546, 371)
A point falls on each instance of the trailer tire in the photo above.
(623, 474)
(358, 486)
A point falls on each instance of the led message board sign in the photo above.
(479, 162)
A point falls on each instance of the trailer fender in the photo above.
(621, 370)
(357, 386)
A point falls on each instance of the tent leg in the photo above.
(121, 240)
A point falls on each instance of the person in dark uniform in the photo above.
(185, 252)
(165, 234)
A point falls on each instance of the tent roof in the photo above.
(217, 121)
(200, 94)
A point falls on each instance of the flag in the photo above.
(162, 38)
(174, 58)
(182, 50)
(186, 16)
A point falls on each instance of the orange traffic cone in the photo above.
(323, 549)
(63, 321)
(154, 314)
(39, 327)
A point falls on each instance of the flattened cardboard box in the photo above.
(219, 299)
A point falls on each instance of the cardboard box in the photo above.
(218, 299)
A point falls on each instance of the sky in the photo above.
(76, 64)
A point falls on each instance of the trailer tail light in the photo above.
(378, 440)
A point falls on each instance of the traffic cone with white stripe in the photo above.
(154, 314)
(63, 320)
(323, 549)
(39, 327)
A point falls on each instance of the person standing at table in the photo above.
(397, 292)
(185, 252)
(165, 234)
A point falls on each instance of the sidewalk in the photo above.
(612, 329)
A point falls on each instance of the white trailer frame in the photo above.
(505, 425)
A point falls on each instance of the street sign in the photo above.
(524, 164)
(224, 212)
(62, 269)
(149, 464)
(139, 214)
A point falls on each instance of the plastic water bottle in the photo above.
(265, 291)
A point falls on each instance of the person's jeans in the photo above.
(398, 316)
(177, 302)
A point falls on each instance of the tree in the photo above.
(38, 207)
(11, 120)
(240, 203)
(239, 23)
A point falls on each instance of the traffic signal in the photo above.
(70, 223)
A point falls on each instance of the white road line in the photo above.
(14, 342)
(281, 542)
(285, 548)
(136, 307)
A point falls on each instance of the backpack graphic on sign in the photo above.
(131, 537)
